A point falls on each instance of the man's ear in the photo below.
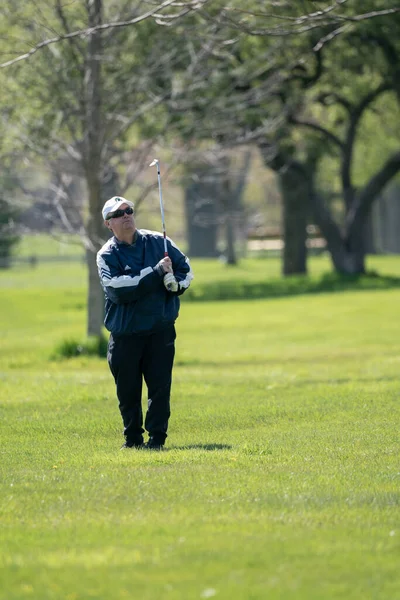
(108, 225)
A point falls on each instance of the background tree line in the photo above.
(314, 86)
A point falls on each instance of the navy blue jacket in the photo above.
(136, 298)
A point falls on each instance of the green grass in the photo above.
(281, 474)
(44, 245)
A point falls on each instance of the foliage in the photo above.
(236, 288)
(70, 348)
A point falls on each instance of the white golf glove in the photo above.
(161, 267)
(170, 282)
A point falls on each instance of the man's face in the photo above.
(120, 226)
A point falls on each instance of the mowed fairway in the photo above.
(281, 477)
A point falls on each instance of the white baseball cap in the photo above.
(113, 204)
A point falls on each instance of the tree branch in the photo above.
(323, 218)
(347, 155)
(371, 190)
(350, 21)
(74, 47)
(316, 127)
(191, 4)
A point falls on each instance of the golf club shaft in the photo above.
(157, 164)
(162, 209)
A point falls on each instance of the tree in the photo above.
(244, 93)
(214, 186)
(356, 71)
(8, 218)
(298, 78)
(89, 97)
(244, 82)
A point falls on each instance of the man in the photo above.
(141, 286)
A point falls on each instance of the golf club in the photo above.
(156, 163)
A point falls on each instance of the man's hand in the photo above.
(164, 265)
(171, 283)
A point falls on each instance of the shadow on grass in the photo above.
(288, 286)
(208, 447)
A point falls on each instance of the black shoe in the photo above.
(136, 445)
(153, 444)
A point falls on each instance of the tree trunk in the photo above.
(386, 221)
(295, 213)
(369, 242)
(347, 248)
(93, 166)
(295, 181)
(95, 297)
(231, 257)
(96, 234)
(201, 215)
(347, 251)
(231, 200)
(348, 257)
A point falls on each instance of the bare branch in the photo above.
(330, 36)
(60, 193)
(303, 23)
(74, 47)
(296, 20)
(327, 98)
(138, 161)
(298, 25)
(352, 20)
(348, 146)
(316, 127)
(371, 15)
(191, 4)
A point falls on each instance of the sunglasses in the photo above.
(120, 213)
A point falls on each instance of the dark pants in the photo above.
(132, 358)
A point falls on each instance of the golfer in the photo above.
(141, 288)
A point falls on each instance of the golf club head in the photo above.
(154, 163)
